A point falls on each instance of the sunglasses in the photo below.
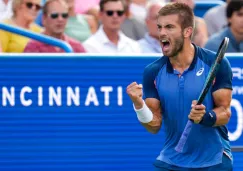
(30, 5)
(56, 15)
(111, 13)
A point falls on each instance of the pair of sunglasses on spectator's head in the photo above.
(30, 5)
(111, 12)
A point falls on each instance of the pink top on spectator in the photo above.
(34, 46)
(82, 6)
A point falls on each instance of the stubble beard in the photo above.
(178, 46)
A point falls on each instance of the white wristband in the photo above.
(144, 114)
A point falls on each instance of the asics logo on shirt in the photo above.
(200, 71)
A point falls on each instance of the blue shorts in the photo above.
(226, 165)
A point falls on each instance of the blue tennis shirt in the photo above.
(205, 145)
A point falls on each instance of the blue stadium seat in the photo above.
(202, 6)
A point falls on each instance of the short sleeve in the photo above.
(149, 87)
(224, 76)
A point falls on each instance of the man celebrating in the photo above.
(171, 84)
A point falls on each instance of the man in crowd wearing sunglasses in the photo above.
(109, 38)
(55, 15)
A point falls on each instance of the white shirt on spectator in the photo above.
(5, 10)
(99, 43)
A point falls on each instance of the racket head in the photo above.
(222, 49)
(214, 68)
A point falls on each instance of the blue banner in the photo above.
(72, 113)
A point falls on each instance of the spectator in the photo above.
(234, 30)
(138, 9)
(55, 15)
(200, 35)
(94, 11)
(77, 26)
(132, 27)
(93, 22)
(5, 9)
(150, 43)
(24, 14)
(109, 38)
(215, 18)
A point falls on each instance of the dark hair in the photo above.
(233, 6)
(103, 2)
(185, 13)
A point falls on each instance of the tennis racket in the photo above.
(212, 73)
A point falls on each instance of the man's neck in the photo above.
(238, 36)
(183, 60)
(57, 36)
(112, 35)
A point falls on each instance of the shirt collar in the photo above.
(102, 37)
(170, 69)
(150, 39)
(154, 42)
(63, 37)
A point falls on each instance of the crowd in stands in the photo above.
(111, 26)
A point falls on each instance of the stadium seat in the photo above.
(202, 6)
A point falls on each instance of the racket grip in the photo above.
(184, 136)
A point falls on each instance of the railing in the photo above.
(40, 37)
(237, 148)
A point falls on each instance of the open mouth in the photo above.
(165, 44)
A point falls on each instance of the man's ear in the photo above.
(188, 32)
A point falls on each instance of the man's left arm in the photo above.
(222, 99)
(222, 93)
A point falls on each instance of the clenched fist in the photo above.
(135, 92)
(197, 112)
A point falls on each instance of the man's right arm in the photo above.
(149, 111)
(155, 125)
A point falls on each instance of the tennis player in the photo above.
(170, 86)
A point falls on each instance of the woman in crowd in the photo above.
(24, 14)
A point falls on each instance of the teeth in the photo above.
(164, 41)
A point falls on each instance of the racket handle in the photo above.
(184, 136)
